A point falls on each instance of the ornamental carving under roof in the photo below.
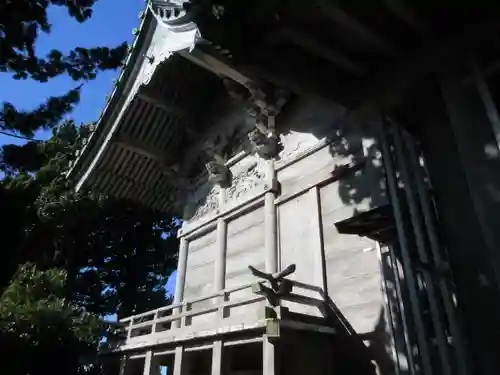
(204, 202)
(247, 178)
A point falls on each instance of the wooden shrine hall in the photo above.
(336, 165)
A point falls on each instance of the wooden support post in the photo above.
(123, 365)
(217, 365)
(270, 365)
(179, 363)
(180, 278)
(151, 364)
(219, 285)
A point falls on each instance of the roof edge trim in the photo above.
(119, 94)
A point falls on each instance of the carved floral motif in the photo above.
(244, 182)
(206, 204)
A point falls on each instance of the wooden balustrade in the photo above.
(149, 322)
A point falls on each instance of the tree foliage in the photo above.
(68, 258)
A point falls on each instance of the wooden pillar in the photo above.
(270, 357)
(219, 285)
(180, 364)
(180, 278)
(151, 366)
(217, 352)
(124, 365)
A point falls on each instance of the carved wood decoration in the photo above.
(218, 173)
(248, 179)
(206, 204)
(263, 103)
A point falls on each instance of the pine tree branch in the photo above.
(46, 116)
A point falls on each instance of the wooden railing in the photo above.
(179, 315)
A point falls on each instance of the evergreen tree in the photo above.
(68, 258)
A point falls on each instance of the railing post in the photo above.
(185, 321)
(129, 331)
(180, 278)
(155, 318)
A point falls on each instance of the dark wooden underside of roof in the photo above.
(357, 53)
(162, 122)
(352, 51)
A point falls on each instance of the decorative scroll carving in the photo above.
(246, 181)
(218, 173)
(206, 205)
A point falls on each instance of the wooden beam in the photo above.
(356, 27)
(407, 14)
(216, 65)
(314, 46)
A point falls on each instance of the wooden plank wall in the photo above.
(200, 273)
(245, 246)
(308, 206)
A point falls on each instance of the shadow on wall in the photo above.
(346, 140)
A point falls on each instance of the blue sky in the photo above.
(110, 25)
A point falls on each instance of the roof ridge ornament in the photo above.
(172, 14)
